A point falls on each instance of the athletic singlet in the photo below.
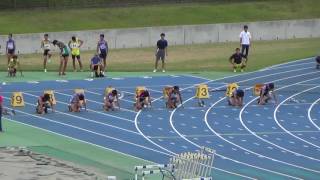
(110, 97)
(265, 90)
(174, 95)
(102, 45)
(10, 45)
(74, 45)
(46, 44)
(74, 98)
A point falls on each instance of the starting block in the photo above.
(79, 91)
(51, 94)
(139, 90)
(108, 90)
(166, 90)
(202, 92)
(230, 88)
(257, 89)
(17, 99)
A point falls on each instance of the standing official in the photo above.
(245, 40)
(161, 52)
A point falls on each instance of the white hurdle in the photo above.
(184, 166)
(152, 169)
(194, 165)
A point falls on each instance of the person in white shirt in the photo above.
(245, 40)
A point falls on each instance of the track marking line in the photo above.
(89, 131)
(69, 137)
(86, 119)
(269, 142)
(91, 92)
(282, 127)
(104, 114)
(99, 94)
(171, 122)
(309, 114)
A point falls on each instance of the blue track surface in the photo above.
(252, 142)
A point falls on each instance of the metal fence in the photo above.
(52, 4)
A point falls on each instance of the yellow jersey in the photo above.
(74, 45)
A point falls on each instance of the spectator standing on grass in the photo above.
(10, 48)
(64, 56)
(161, 52)
(46, 46)
(245, 41)
(74, 46)
(103, 48)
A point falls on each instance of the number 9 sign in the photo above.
(17, 99)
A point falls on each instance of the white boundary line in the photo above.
(127, 154)
(96, 102)
(283, 128)
(259, 155)
(69, 137)
(86, 130)
(99, 94)
(253, 133)
(104, 114)
(224, 157)
(288, 63)
(309, 114)
(136, 119)
(86, 119)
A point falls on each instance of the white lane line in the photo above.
(161, 147)
(220, 155)
(104, 114)
(82, 141)
(90, 92)
(290, 64)
(89, 131)
(282, 127)
(171, 122)
(154, 90)
(228, 134)
(95, 93)
(241, 120)
(208, 81)
(309, 114)
(174, 154)
(86, 119)
(269, 142)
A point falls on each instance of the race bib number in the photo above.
(10, 46)
(103, 46)
(46, 46)
(74, 45)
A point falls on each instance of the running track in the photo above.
(252, 142)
